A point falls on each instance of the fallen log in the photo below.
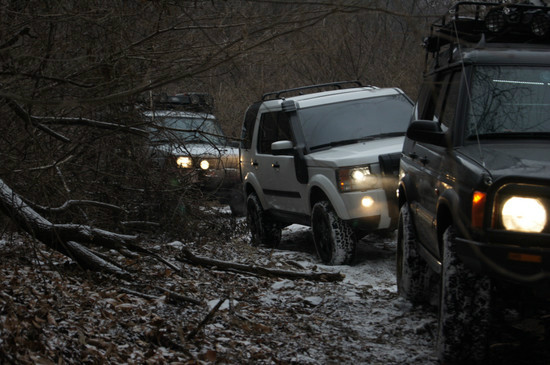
(67, 239)
(189, 257)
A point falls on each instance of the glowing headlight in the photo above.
(184, 162)
(355, 178)
(524, 215)
(204, 165)
(367, 202)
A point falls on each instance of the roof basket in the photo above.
(191, 101)
(299, 90)
(475, 21)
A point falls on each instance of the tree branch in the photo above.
(188, 256)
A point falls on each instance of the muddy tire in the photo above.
(263, 229)
(413, 273)
(464, 309)
(334, 239)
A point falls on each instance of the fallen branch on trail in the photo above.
(209, 316)
(189, 257)
(67, 239)
(170, 295)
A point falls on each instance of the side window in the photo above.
(448, 109)
(274, 126)
(441, 99)
(248, 125)
(428, 99)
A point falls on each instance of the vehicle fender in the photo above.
(329, 190)
(251, 183)
(404, 187)
(448, 208)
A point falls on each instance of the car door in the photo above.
(276, 172)
(431, 165)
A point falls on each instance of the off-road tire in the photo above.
(464, 309)
(412, 272)
(263, 229)
(334, 239)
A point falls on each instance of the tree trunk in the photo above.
(64, 238)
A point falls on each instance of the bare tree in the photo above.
(73, 145)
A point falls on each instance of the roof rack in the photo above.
(337, 85)
(189, 101)
(492, 22)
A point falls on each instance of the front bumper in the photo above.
(526, 266)
(376, 216)
(215, 179)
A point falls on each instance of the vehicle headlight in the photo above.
(524, 214)
(184, 162)
(356, 178)
(204, 165)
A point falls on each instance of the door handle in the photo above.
(275, 165)
(424, 160)
(413, 155)
(254, 163)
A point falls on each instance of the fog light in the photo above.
(495, 21)
(367, 202)
(184, 162)
(205, 165)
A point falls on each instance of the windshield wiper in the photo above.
(390, 134)
(357, 140)
(342, 143)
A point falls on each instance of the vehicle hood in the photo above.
(198, 149)
(528, 158)
(355, 154)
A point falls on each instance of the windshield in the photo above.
(509, 101)
(355, 120)
(187, 130)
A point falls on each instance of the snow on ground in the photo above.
(53, 312)
(364, 321)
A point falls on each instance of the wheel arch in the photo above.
(402, 190)
(322, 188)
(316, 194)
(251, 185)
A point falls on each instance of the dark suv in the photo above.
(474, 188)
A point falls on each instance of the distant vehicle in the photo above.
(326, 159)
(189, 140)
(474, 190)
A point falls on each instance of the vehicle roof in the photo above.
(178, 113)
(495, 54)
(509, 54)
(335, 96)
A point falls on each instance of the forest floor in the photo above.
(52, 312)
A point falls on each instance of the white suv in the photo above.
(328, 160)
(189, 142)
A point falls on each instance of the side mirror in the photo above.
(426, 131)
(282, 148)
